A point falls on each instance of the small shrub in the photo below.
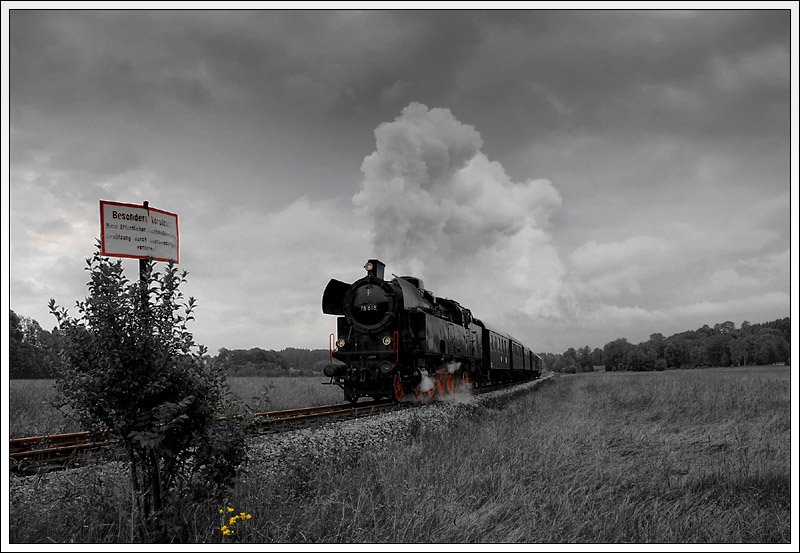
(131, 367)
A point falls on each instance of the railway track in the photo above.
(58, 450)
(279, 421)
(55, 450)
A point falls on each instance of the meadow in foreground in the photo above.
(671, 457)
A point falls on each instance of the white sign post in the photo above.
(139, 232)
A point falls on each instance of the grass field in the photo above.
(672, 457)
(697, 456)
(265, 394)
(32, 413)
(31, 410)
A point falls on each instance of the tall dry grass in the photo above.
(673, 457)
(283, 392)
(32, 411)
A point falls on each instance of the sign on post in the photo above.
(135, 231)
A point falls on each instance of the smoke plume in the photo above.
(442, 211)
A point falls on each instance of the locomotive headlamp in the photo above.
(387, 340)
(374, 268)
(340, 342)
(386, 367)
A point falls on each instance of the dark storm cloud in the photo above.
(133, 56)
(577, 71)
(72, 63)
(139, 79)
(355, 56)
(629, 71)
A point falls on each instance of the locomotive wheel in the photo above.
(466, 378)
(449, 383)
(440, 384)
(399, 392)
(352, 397)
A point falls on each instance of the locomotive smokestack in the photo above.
(375, 268)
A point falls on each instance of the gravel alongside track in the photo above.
(337, 442)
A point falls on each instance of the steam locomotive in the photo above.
(396, 338)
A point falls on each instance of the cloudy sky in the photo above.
(571, 176)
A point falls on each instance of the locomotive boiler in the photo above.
(395, 338)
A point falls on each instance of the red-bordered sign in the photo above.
(138, 232)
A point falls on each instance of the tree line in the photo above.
(33, 353)
(260, 362)
(722, 345)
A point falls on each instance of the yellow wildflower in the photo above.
(248, 516)
(230, 509)
(221, 511)
(233, 520)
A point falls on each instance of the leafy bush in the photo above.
(131, 367)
